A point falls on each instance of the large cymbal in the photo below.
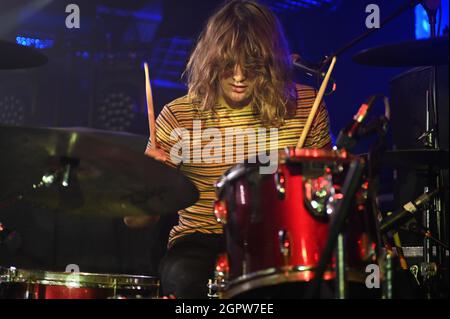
(14, 56)
(406, 54)
(112, 179)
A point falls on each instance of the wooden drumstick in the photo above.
(318, 100)
(150, 108)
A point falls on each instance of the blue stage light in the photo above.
(296, 5)
(422, 25)
(34, 42)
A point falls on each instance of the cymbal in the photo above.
(15, 56)
(109, 177)
(416, 158)
(406, 54)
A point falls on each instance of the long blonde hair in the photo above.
(249, 34)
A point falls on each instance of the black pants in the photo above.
(189, 263)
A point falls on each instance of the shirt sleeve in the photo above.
(167, 137)
(319, 135)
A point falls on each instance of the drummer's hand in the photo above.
(158, 154)
(140, 221)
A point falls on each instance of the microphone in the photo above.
(302, 65)
(348, 136)
(407, 212)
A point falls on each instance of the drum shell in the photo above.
(257, 215)
(32, 284)
(252, 230)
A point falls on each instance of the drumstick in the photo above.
(316, 104)
(150, 109)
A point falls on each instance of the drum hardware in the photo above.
(426, 233)
(218, 284)
(415, 271)
(351, 187)
(431, 52)
(428, 270)
(342, 209)
(280, 184)
(31, 284)
(426, 52)
(341, 286)
(15, 56)
(220, 211)
(88, 171)
(285, 245)
(393, 220)
(320, 194)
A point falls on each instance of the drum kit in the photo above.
(311, 229)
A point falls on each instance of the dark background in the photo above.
(104, 58)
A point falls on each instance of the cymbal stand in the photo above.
(433, 217)
(61, 175)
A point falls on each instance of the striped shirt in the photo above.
(207, 159)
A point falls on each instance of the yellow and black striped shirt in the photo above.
(207, 159)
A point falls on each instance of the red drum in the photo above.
(25, 284)
(276, 225)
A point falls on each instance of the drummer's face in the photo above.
(237, 87)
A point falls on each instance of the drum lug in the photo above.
(280, 181)
(220, 211)
(284, 240)
(217, 285)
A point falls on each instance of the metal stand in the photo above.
(341, 280)
(433, 218)
(351, 184)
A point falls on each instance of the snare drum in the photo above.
(276, 225)
(32, 284)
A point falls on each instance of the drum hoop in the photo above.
(13, 275)
(269, 277)
(286, 155)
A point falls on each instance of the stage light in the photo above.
(422, 24)
(34, 42)
(168, 62)
(297, 5)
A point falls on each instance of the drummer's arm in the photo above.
(166, 123)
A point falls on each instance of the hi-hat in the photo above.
(407, 54)
(15, 56)
(94, 172)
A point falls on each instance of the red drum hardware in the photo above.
(276, 225)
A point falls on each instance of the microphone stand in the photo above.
(351, 185)
(435, 180)
(405, 7)
(419, 229)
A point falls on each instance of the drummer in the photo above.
(239, 76)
